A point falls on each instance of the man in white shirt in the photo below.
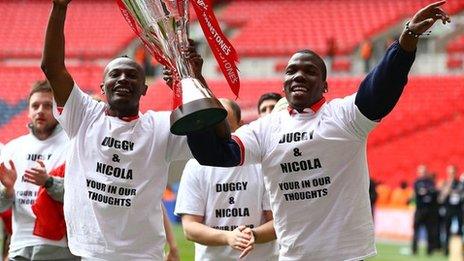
(313, 156)
(117, 165)
(28, 158)
(217, 204)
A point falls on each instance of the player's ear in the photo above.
(144, 89)
(102, 88)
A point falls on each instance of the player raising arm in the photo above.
(313, 156)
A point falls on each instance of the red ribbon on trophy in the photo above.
(223, 51)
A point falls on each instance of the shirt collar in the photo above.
(312, 109)
(125, 118)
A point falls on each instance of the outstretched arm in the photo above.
(53, 54)
(381, 89)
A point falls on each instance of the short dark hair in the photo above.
(40, 86)
(269, 96)
(319, 59)
(235, 108)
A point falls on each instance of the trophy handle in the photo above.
(199, 109)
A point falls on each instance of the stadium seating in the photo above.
(280, 27)
(94, 29)
(456, 45)
(16, 82)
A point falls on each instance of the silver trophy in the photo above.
(162, 25)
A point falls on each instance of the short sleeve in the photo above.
(350, 117)
(77, 108)
(178, 148)
(191, 197)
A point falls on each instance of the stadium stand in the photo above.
(456, 46)
(278, 28)
(455, 50)
(16, 82)
(92, 30)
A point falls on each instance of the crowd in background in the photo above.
(438, 205)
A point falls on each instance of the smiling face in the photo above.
(123, 85)
(305, 80)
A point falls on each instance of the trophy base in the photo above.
(197, 115)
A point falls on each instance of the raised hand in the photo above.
(195, 60)
(167, 76)
(237, 239)
(251, 242)
(37, 175)
(426, 17)
(8, 176)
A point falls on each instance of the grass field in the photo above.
(386, 251)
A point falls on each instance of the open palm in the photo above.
(427, 16)
(8, 175)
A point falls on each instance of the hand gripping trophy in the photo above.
(162, 26)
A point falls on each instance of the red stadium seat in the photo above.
(280, 27)
(94, 29)
(16, 82)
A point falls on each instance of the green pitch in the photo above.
(386, 251)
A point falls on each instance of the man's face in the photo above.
(40, 112)
(266, 107)
(124, 84)
(421, 171)
(303, 83)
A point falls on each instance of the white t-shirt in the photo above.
(116, 173)
(24, 152)
(315, 168)
(226, 198)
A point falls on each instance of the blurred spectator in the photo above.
(366, 54)
(401, 195)
(383, 194)
(267, 102)
(426, 213)
(451, 197)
